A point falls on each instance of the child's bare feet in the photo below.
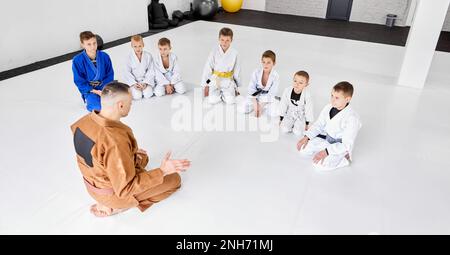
(104, 211)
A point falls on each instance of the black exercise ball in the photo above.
(205, 9)
(99, 42)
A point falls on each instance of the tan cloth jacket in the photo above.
(115, 162)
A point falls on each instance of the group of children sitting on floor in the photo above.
(329, 140)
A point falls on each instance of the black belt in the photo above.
(95, 83)
(330, 139)
(260, 91)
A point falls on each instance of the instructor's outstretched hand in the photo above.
(170, 166)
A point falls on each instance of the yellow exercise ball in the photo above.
(231, 5)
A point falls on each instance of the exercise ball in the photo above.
(205, 9)
(231, 5)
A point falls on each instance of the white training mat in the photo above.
(398, 182)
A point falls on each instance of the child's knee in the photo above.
(285, 129)
(137, 96)
(331, 163)
(229, 99)
(180, 88)
(159, 92)
(213, 99)
(148, 94)
(306, 151)
(286, 126)
(298, 131)
(323, 167)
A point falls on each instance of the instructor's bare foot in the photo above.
(104, 211)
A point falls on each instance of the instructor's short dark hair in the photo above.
(113, 88)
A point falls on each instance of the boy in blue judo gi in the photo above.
(92, 70)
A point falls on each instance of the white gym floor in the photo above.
(398, 182)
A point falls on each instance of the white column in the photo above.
(411, 12)
(422, 40)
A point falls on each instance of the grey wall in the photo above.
(309, 8)
(368, 11)
(41, 29)
(375, 11)
(54, 25)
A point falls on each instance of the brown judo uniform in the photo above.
(114, 173)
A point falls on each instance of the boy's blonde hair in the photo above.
(269, 54)
(137, 38)
(164, 41)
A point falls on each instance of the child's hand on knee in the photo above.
(169, 89)
(320, 156)
(138, 86)
(302, 143)
(97, 92)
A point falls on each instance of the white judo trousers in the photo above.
(265, 94)
(171, 75)
(222, 88)
(140, 72)
(295, 116)
(341, 131)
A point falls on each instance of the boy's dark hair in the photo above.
(164, 41)
(269, 54)
(226, 32)
(303, 74)
(344, 87)
(86, 35)
(114, 88)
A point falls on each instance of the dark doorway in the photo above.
(339, 9)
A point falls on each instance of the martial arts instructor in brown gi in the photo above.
(112, 165)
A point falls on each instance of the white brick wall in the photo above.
(375, 11)
(259, 5)
(368, 11)
(309, 8)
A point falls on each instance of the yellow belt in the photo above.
(223, 74)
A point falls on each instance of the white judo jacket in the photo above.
(345, 126)
(167, 76)
(139, 72)
(303, 111)
(222, 62)
(266, 93)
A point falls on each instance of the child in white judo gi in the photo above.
(331, 138)
(167, 70)
(221, 74)
(263, 88)
(296, 107)
(139, 73)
